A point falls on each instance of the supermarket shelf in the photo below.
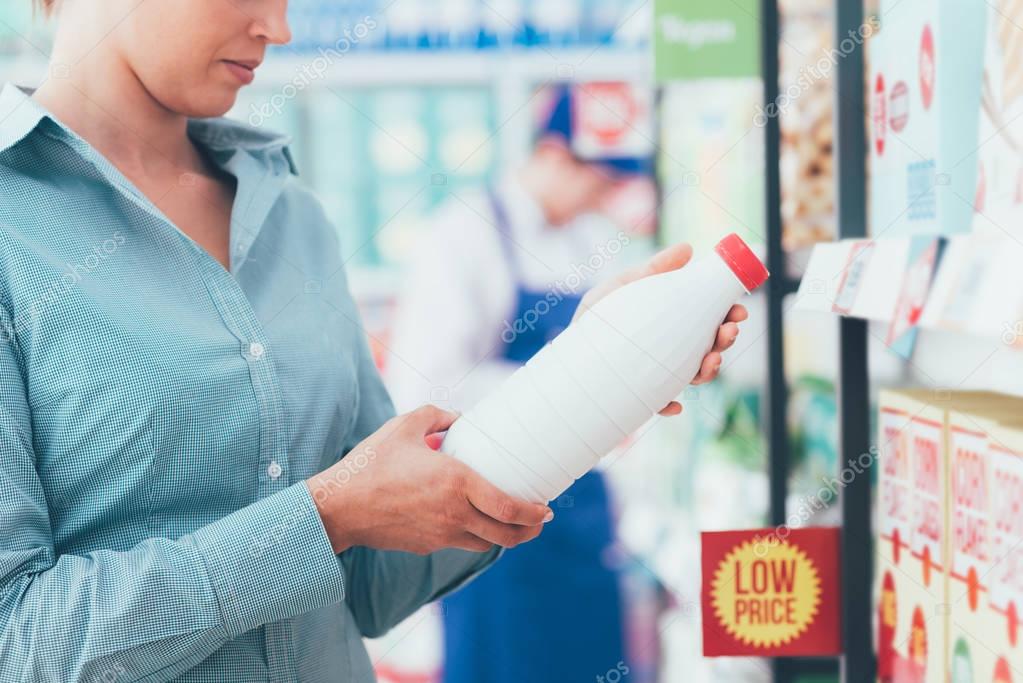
(977, 289)
(418, 67)
(971, 324)
(453, 67)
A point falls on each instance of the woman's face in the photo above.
(193, 56)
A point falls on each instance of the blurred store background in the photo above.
(397, 107)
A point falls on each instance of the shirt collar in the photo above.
(225, 135)
(20, 115)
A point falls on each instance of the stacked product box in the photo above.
(986, 525)
(949, 486)
(910, 561)
(924, 89)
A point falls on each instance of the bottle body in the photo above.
(597, 382)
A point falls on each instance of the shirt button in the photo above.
(274, 470)
(256, 350)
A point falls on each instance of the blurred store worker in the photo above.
(496, 278)
(499, 273)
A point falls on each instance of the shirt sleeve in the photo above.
(385, 587)
(155, 610)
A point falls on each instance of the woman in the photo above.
(182, 371)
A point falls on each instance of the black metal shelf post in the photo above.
(777, 430)
(857, 664)
(777, 287)
(853, 377)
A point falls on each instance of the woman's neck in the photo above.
(99, 97)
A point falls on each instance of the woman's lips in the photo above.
(242, 72)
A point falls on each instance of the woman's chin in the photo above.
(215, 101)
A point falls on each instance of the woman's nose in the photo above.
(272, 25)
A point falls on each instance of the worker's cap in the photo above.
(610, 124)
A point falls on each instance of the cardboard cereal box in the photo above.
(924, 92)
(914, 545)
(986, 523)
(910, 561)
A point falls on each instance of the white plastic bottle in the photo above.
(603, 377)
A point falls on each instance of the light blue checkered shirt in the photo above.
(158, 416)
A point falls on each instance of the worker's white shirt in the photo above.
(460, 292)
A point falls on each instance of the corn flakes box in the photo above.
(910, 556)
(986, 573)
(914, 557)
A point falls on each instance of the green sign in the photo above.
(706, 39)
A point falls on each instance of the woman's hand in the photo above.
(392, 492)
(673, 258)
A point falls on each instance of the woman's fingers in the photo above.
(673, 408)
(729, 330)
(671, 258)
(427, 419)
(498, 505)
(737, 314)
(709, 369)
(472, 543)
(727, 335)
(498, 533)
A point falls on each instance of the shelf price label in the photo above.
(771, 593)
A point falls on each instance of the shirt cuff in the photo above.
(271, 560)
(472, 564)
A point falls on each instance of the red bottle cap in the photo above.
(743, 262)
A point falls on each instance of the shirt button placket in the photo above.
(277, 637)
(255, 351)
(273, 434)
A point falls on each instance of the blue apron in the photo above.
(549, 610)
